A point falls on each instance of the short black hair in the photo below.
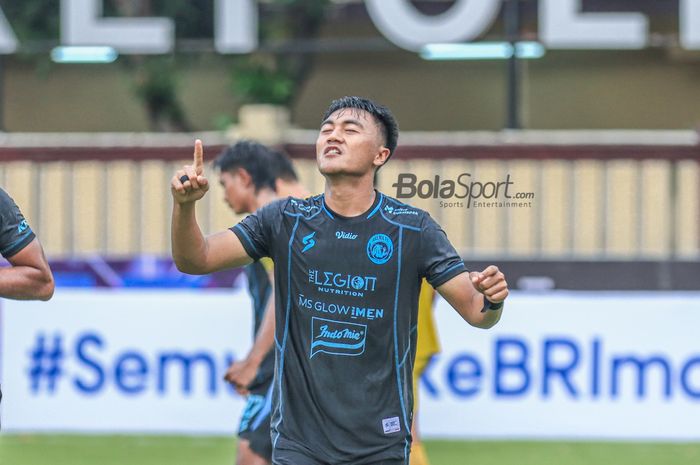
(282, 167)
(387, 123)
(253, 157)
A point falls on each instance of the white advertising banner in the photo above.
(118, 361)
(558, 365)
(569, 365)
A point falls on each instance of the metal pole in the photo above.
(511, 17)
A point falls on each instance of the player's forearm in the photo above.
(471, 309)
(464, 298)
(482, 316)
(265, 339)
(26, 283)
(188, 242)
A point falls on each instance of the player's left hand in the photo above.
(240, 374)
(491, 283)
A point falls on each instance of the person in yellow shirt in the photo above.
(427, 346)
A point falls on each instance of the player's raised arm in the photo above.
(192, 252)
(477, 296)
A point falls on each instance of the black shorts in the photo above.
(255, 422)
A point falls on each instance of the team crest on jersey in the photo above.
(22, 226)
(380, 248)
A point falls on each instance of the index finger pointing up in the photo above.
(198, 157)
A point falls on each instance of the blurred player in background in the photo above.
(249, 173)
(427, 347)
(349, 267)
(29, 276)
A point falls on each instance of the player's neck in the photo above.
(349, 197)
(263, 197)
(291, 189)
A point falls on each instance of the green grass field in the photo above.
(169, 450)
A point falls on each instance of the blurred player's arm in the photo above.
(194, 253)
(241, 373)
(29, 277)
(474, 294)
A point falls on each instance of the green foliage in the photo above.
(259, 80)
(273, 75)
(34, 20)
(155, 83)
(276, 76)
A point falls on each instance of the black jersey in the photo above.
(15, 233)
(346, 311)
(260, 290)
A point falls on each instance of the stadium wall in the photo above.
(593, 195)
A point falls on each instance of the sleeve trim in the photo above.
(448, 274)
(247, 243)
(18, 245)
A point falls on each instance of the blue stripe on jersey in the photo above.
(265, 412)
(412, 228)
(405, 354)
(376, 209)
(286, 330)
(396, 343)
(323, 203)
(247, 238)
(453, 267)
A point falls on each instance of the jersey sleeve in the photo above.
(255, 231)
(439, 261)
(15, 233)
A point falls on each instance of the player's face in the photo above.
(349, 142)
(237, 191)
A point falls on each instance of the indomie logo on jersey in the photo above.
(342, 284)
(337, 337)
(380, 248)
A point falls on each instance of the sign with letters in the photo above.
(563, 25)
(613, 365)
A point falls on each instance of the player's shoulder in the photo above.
(397, 212)
(307, 208)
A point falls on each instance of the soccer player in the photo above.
(349, 263)
(248, 172)
(29, 276)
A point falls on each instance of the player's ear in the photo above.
(382, 156)
(245, 177)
